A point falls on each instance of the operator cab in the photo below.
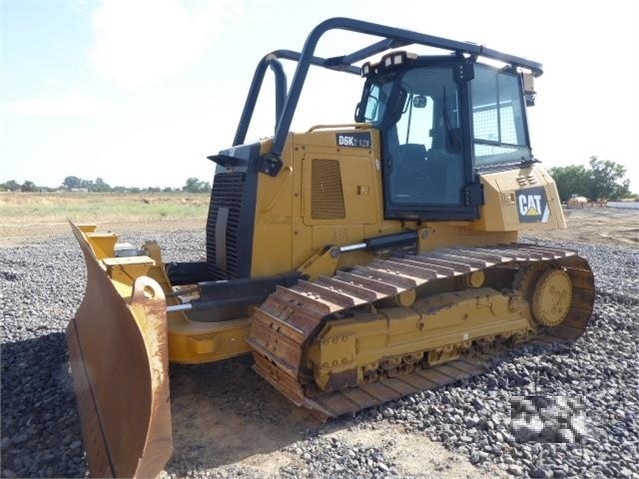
(442, 120)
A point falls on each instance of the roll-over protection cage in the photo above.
(286, 99)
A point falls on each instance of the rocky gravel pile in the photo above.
(332, 458)
(41, 286)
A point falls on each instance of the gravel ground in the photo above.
(41, 285)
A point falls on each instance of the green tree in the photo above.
(607, 180)
(11, 185)
(601, 179)
(28, 186)
(193, 185)
(71, 182)
(571, 180)
(100, 186)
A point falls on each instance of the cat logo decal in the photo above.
(532, 205)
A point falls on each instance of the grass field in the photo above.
(29, 216)
(86, 207)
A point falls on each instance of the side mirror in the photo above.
(419, 101)
(356, 116)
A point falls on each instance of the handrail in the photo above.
(339, 126)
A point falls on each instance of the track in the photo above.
(291, 317)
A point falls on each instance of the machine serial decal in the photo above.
(355, 140)
(532, 205)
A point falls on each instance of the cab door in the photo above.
(428, 171)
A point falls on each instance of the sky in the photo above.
(140, 92)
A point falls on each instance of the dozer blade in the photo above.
(119, 361)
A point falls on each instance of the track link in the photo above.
(283, 325)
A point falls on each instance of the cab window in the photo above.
(498, 118)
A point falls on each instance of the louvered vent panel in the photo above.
(526, 180)
(327, 196)
(228, 191)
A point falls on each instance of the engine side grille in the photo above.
(327, 195)
(223, 223)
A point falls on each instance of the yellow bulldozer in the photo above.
(357, 263)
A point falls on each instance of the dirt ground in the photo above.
(597, 225)
(37, 229)
(259, 433)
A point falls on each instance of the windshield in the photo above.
(498, 118)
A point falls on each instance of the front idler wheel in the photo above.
(552, 297)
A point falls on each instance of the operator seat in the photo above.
(409, 172)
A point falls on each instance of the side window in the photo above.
(372, 104)
(498, 117)
(376, 102)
